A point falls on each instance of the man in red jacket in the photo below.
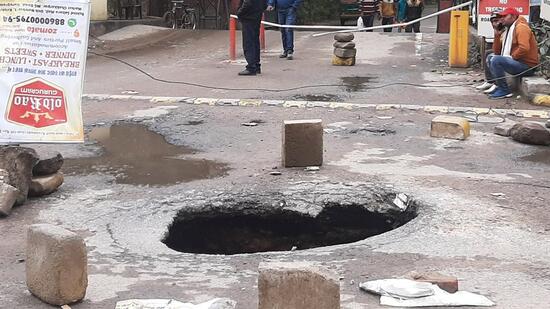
(516, 52)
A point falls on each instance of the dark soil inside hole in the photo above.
(232, 233)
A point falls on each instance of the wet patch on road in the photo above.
(317, 97)
(356, 83)
(134, 155)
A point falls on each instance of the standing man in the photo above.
(286, 12)
(250, 15)
(388, 10)
(369, 9)
(516, 51)
(534, 11)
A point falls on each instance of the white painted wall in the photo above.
(99, 10)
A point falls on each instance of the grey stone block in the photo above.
(345, 53)
(344, 45)
(18, 163)
(530, 132)
(534, 84)
(44, 185)
(56, 264)
(504, 128)
(302, 143)
(8, 196)
(297, 285)
(344, 37)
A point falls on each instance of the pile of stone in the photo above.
(526, 132)
(24, 173)
(344, 49)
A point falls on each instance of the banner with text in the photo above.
(486, 7)
(43, 46)
(545, 9)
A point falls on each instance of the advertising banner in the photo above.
(545, 9)
(486, 7)
(43, 46)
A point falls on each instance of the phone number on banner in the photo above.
(34, 20)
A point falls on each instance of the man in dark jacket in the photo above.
(286, 12)
(250, 15)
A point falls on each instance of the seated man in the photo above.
(489, 85)
(516, 52)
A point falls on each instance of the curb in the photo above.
(522, 113)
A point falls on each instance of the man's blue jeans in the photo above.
(500, 65)
(287, 17)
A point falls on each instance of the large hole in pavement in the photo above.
(224, 232)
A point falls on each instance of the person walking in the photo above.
(369, 9)
(516, 52)
(413, 11)
(250, 15)
(388, 11)
(286, 13)
(401, 12)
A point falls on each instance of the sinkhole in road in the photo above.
(135, 155)
(259, 229)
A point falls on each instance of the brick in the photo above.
(450, 127)
(56, 264)
(504, 128)
(8, 196)
(302, 143)
(339, 61)
(344, 37)
(297, 285)
(44, 185)
(345, 53)
(445, 282)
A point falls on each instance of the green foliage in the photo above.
(542, 33)
(318, 11)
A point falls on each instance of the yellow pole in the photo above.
(458, 40)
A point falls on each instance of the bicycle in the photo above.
(181, 16)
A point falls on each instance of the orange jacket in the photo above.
(524, 44)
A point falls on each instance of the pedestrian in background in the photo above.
(369, 9)
(286, 13)
(401, 12)
(534, 11)
(413, 11)
(250, 15)
(388, 10)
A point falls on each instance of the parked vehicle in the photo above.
(349, 10)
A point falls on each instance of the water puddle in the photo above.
(356, 83)
(135, 155)
(317, 97)
(542, 157)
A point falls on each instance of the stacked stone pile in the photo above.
(23, 173)
(344, 50)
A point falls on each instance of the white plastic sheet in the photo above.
(217, 303)
(410, 293)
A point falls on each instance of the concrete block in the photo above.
(44, 185)
(297, 285)
(344, 37)
(344, 45)
(339, 61)
(56, 264)
(302, 143)
(8, 196)
(447, 283)
(450, 127)
(345, 53)
(504, 128)
(534, 84)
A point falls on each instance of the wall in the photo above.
(99, 10)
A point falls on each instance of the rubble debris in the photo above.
(49, 163)
(312, 169)
(216, 303)
(402, 201)
(451, 127)
(530, 132)
(275, 173)
(503, 129)
(8, 196)
(56, 264)
(410, 293)
(44, 185)
(297, 285)
(18, 162)
(376, 131)
(249, 124)
(447, 283)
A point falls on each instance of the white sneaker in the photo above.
(490, 90)
(484, 86)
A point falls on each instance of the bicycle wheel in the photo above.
(190, 20)
(168, 19)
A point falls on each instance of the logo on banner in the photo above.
(37, 103)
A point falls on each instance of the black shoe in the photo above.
(290, 56)
(259, 71)
(283, 55)
(247, 73)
